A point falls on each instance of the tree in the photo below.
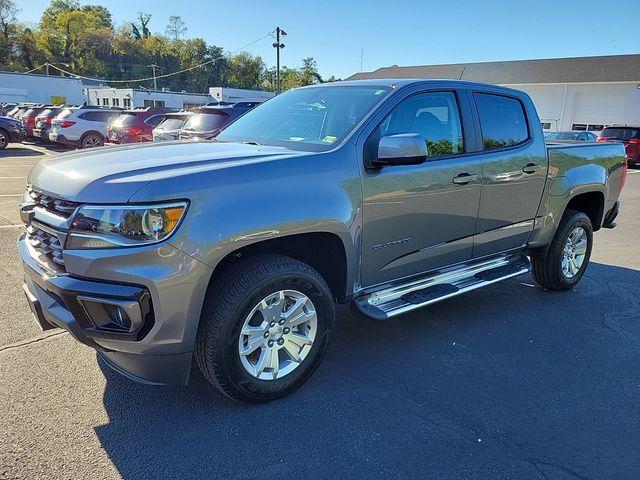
(244, 71)
(309, 72)
(176, 27)
(141, 28)
(8, 30)
(100, 12)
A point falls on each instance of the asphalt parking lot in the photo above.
(508, 382)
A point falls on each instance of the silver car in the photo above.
(169, 128)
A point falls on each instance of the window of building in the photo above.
(592, 127)
(502, 121)
(435, 116)
(116, 102)
(546, 125)
(159, 103)
(105, 102)
(127, 103)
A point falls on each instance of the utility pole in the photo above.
(278, 45)
(155, 83)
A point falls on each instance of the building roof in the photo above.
(611, 68)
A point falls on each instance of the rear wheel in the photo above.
(566, 259)
(91, 140)
(4, 139)
(265, 327)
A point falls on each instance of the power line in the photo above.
(213, 60)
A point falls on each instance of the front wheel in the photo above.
(566, 259)
(265, 327)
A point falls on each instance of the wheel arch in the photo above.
(591, 204)
(324, 251)
(90, 132)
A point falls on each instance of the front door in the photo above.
(421, 217)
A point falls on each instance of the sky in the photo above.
(339, 34)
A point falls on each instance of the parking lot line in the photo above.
(16, 225)
(11, 195)
(6, 178)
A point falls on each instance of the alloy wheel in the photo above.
(278, 334)
(574, 252)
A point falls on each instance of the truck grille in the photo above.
(47, 240)
(47, 246)
(62, 208)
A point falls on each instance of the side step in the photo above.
(403, 298)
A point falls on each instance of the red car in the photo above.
(28, 119)
(630, 136)
(135, 125)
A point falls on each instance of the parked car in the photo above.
(572, 136)
(386, 195)
(11, 130)
(28, 119)
(629, 136)
(17, 112)
(82, 127)
(135, 125)
(209, 120)
(5, 108)
(169, 128)
(43, 122)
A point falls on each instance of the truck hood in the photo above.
(114, 174)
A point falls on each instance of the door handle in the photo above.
(531, 168)
(465, 178)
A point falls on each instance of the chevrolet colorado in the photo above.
(388, 195)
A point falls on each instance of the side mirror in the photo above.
(401, 149)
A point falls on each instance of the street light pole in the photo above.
(278, 45)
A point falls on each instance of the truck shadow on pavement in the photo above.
(509, 381)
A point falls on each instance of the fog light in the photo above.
(110, 314)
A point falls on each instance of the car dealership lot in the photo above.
(505, 382)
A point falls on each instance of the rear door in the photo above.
(514, 169)
(417, 217)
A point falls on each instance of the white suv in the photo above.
(82, 127)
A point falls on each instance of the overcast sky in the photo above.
(396, 32)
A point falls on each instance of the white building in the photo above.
(583, 93)
(232, 95)
(31, 87)
(139, 97)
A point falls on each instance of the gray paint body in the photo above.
(394, 222)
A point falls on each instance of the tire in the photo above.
(90, 140)
(4, 139)
(548, 269)
(230, 303)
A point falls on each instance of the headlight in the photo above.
(123, 226)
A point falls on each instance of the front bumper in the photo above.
(158, 353)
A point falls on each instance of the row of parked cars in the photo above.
(85, 126)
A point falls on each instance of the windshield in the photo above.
(563, 136)
(203, 122)
(620, 133)
(313, 119)
(172, 123)
(125, 119)
(64, 114)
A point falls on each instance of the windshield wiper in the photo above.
(251, 142)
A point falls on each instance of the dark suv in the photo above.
(630, 136)
(10, 131)
(135, 125)
(209, 120)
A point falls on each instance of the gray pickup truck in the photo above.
(233, 253)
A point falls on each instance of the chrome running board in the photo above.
(415, 294)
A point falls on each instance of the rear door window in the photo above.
(502, 121)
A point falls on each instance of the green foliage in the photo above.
(82, 39)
